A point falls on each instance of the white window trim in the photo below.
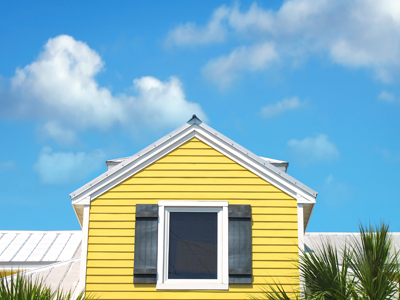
(222, 283)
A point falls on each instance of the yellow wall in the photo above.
(194, 171)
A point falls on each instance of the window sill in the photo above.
(192, 286)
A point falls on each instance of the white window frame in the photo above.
(164, 209)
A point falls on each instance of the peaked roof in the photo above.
(195, 128)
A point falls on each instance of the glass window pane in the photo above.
(193, 245)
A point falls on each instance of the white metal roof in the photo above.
(29, 249)
(315, 240)
(61, 275)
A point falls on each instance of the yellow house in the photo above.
(192, 216)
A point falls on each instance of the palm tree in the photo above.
(367, 268)
(22, 287)
(375, 264)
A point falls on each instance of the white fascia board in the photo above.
(208, 135)
(38, 231)
(260, 167)
(43, 267)
(115, 172)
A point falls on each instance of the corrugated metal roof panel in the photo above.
(71, 247)
(62, 275)
(5, 241)
(315, 240)
(28, 247)
(57, 275)
(13, 248)
(22, 248)
(57, 247)
(43, 247)
(71, 280)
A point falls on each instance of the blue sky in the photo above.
(315, 83)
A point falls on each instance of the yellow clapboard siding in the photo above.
(126, 263)
(129, 248)
(109, 280)
(194, 152)
(272, 264)
(130, 239)
(189, 295)
(275, 248)
(209, 159)
(255, 218)
(262, 256)
(111, 248)
(236, 288)
(260, 229)
(109, 225)
(110, 255)
(194, 188)
(193, 171)
(110, 272)
(128, 271)
(111, 240)
(195, 181)
(194, 167)
(273, 218)
(256, 210)
(198, 195)
(127, 202)
(196, 174)
(112, 217)
(113, 209)
(274, 241)
(116, 254)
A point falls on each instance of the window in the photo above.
(192, 245)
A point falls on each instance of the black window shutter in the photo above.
(240, 262)
(146, 229)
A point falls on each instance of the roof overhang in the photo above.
(195, 128)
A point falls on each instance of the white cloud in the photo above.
(281, 106)
(387, 97)
(225, 69)
(60, 89)
(352, 33)
(163, 103)
(190, 33)
(65, 167)
(312, 149)
(61, 135)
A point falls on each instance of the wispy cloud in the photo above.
(281, 106)
(60, 90)
(313, 149)
(225, 69)
(356, 34)
(387, 97)
(191, 34)
(56, 168)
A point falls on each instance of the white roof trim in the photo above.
(171, 141)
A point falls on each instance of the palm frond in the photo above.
(22, 287)
(374, 263)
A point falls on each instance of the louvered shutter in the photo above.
(240, 262)
(146, 229)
